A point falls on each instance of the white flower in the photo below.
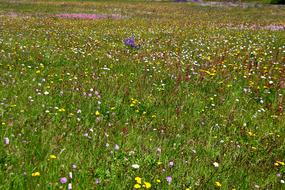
(216, 164)
(69, 186)
(117, 147)
(135, 166)
(70, 175)
(46, 93)
(282, 181)
(6, 140)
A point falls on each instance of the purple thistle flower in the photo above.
(63, 180)
(169, 179)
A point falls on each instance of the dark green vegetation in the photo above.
(204, 91)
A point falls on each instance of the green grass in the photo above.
(200, 89)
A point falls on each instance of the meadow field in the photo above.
(141, 95)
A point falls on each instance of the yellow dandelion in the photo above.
(281, 163)
(147, 185)
(97, 113)
(52, 156)
(158, 181)
(35, 174)
(61, 110)
(218, 184)
(137, 186)
(138, 180)
(251, 134)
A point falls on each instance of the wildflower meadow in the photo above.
(159, 95)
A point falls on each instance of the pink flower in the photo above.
(63, 180)
(169, 179)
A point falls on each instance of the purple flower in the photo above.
(130, 42)
(63, 180)
(169, 179)
(97, 181)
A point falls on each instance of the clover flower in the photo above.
(169, 179)
(63, 180)
(135, 166)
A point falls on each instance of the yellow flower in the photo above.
(158, 181)
(251, 134)
(147, 185)
(97, 113)
(138, 180)
(137, 186)
(36, 174)
(218, 184)
(281, 163)
(52, 156)
(61, 110)
(188, 188)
